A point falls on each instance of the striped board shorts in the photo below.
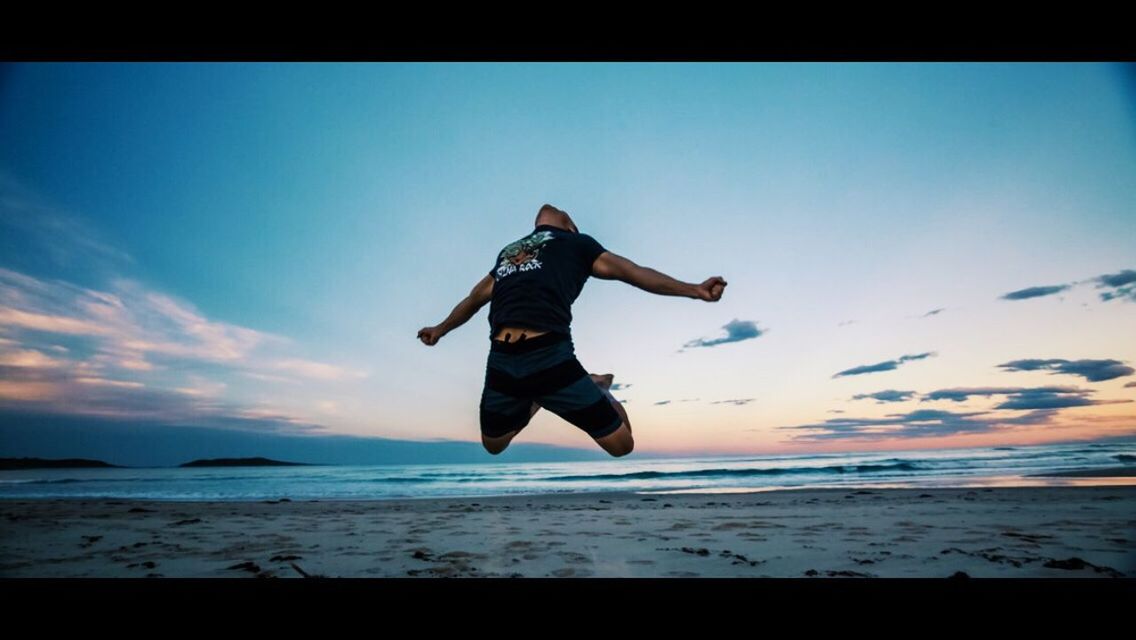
(543, 369)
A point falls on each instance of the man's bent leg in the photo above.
(619, 442)
(498, 444)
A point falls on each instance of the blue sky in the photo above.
(254, 246)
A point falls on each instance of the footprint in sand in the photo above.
(462, 556)
(726, 526)
(572, 557)
(569, 572)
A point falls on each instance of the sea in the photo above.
(977, 467)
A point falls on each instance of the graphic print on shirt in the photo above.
(523, 254)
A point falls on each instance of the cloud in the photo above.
(921, 423)
(1041, 401)
(736, 331)
(1120, 285)
(1120, 279)
(887, 365)
(668, 401)
(136, 329)
(132, 352)
(737, 401)
(314, 370)
(203, 387)
(1091, 370)
(65, 390)
(889, 395)
(1130, 384)
(267, 377)
(1024, 397)
(1123, 285)
(961, 394)
(1051, 401)
(616, 386)
(845, 322)
(39, 235)
(1035, 292)
(933, 312)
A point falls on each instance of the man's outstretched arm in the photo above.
(481, 293)
(611, 266)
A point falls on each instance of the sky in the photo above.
(919, 255)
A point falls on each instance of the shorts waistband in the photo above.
(529, 344)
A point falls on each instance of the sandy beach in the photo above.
(1027, 532)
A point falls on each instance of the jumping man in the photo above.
(532, 361)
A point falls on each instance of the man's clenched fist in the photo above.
(430, 335)
(711, 290)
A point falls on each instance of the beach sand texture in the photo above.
(1062, 532)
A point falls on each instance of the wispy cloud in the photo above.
(1122, 285)
(1042, 401)
(934, 312)
(66, 389)
(1052, 401)
(135, 329)
(1091, 370)
(132, 352)
(669, 400)
(737, 401)
(1024, 397)
(1035, 292)
(921, 423)
(889, 395)
(314, 370)
(845, 322)
(887, 365)
(203, 387)
(736, 331)
(48, 236)
(961, 394)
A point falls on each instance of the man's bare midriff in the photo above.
(516, 333)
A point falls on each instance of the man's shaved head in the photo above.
(549, 214)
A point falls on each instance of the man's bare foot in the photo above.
(604, 381)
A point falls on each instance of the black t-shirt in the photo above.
(538, 277)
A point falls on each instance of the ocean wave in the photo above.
(742, 473)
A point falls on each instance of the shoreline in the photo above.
(1110, 472)
(1005, 531)
(1091, 478)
